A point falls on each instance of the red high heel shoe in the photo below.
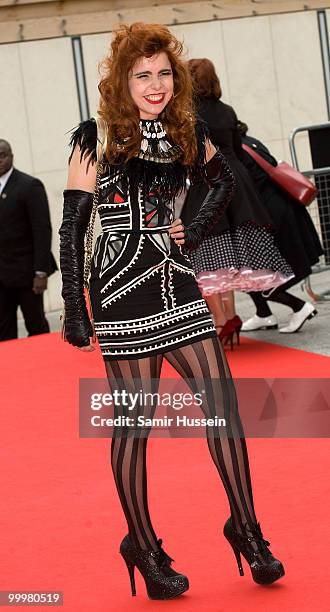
(226, 334)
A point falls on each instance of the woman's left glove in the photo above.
(221, 181)
(76, 214)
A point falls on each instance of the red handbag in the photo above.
(295, 184)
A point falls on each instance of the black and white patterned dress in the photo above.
(144, 295)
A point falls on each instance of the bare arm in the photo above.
(81, 175)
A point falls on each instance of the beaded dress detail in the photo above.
(154, 144)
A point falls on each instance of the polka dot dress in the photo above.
(245, 258)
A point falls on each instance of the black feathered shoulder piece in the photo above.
(85, 135)
(169, 177)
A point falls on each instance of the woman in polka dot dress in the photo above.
(239, 253)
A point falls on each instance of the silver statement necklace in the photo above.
(154, 143)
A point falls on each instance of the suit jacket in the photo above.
(25, 231)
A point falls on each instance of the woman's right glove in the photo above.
(76, 214)
(221, 181)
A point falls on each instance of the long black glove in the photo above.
(76, 214)
(221, 181)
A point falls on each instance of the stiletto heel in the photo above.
(229, 338)
(131, 568)
(161, 581)
(265, 568)
(238, 559)
(237, 324)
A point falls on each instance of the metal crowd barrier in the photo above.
(320, 208)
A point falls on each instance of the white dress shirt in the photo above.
(4, 178)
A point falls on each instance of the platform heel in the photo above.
(265, 568)
(161, 581)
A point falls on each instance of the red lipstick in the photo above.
(155, 101)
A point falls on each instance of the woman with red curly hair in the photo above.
(145, 299)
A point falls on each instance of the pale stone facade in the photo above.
(270, 68)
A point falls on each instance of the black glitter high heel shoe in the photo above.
(264, 567)
(162, 582)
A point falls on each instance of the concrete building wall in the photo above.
(270, 69)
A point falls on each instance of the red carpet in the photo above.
(61, 522)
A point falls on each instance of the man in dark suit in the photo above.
(26, 260)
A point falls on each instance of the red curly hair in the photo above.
(117, 107)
